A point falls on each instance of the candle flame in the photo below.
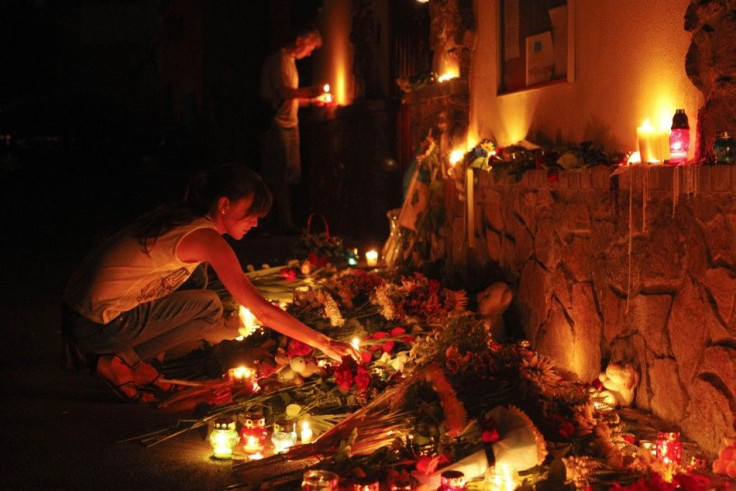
(447, 76)
(249, 322)
(456, 156)
(242, 372)
(326, 88)
(355, 342)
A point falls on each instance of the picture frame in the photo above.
(536, 44)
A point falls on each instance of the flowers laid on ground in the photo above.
(432, 390)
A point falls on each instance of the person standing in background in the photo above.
(280, 158)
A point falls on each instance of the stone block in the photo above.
(720, 285)
(708, 417)
(721, 362)
(547, 244)
(531, 297)
(720, 240)
(689, 323)
(560, 285)
(720, 178)
(668, 398)
(556, 340)
(586, 179)
(577, 257)
(493, 245)
(601, 177)
(648, 315)
(492, 211)
(588, 332)
(577, 219)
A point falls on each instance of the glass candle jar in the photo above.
(319, 480)
(253, 434)
(284, 435)
(452, 481)
(669, 448)
(724, 148)
(224, 438)
(679, 137)
(366, 484)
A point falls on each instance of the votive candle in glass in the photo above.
(224, 438)
(319, 480)
(284, 435)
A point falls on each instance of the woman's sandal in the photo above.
(124, 396)
(138, 396)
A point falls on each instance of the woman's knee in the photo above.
(212, 306)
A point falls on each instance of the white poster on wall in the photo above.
(540, 58)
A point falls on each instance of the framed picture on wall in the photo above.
(536, 43)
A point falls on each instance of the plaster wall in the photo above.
(629, 66)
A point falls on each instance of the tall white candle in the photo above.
(471, 207)
(306, 433)
(647, 140)
(371, 258)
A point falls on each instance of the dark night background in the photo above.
(106, 107)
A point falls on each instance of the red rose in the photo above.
(344, 373)
(288, 274)
(491, 436)
(362, 379)
(367, 356)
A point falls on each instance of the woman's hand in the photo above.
(337, 350)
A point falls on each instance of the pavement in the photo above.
(61, 430)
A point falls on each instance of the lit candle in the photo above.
(371, 258)
(471, 208)
(249, 322)
(646, 136)
(240, 375)
(356, 343)
(252, 445)
(283, 435)
(253, 434)
(306, 434)
(501, 478)
(223, 438)
(669, 453)
(326, 97)
(452, 481)
(663, 144)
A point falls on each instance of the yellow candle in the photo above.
(371, 258)
(306, 433)
(647, 141)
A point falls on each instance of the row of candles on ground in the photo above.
(254, 435)
(671, 144)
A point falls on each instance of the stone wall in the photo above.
(636, 266)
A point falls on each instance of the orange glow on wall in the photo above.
(335, 56)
